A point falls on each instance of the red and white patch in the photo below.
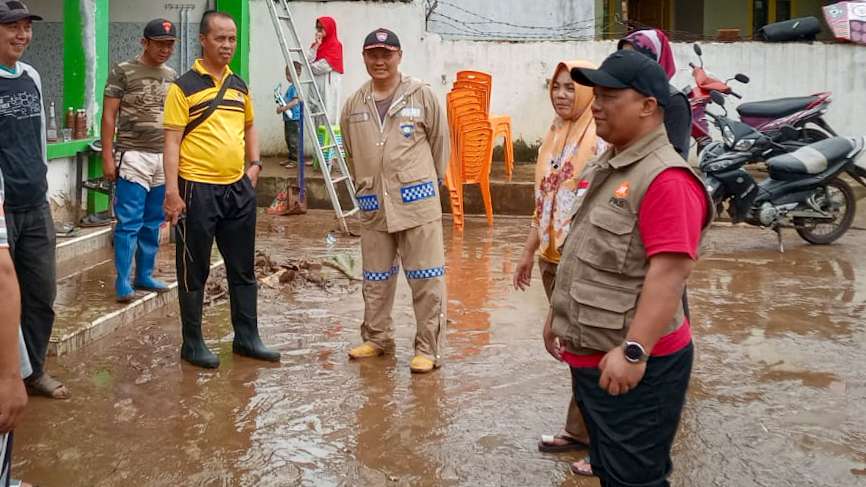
(582, 187)
(166, 26)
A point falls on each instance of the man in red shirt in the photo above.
(617, 314)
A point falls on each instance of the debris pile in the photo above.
(291, 274)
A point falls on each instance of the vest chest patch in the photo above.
(620, 194)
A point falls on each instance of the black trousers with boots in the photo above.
(227, 213)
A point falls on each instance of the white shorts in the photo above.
(144, 168)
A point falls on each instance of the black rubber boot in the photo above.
(245, 322)
(193, 349)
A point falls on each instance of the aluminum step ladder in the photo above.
(335, 173)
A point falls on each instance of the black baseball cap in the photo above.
(382, 38)
(160, 30)
(627, 69)
(15, 10)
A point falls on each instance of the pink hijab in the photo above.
(653, 43)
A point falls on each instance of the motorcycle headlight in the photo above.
(728, 136)
(744, 144)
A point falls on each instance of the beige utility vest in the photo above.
(604, 262)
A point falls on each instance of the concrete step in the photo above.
(88, 240)
(85, 307)
(512, 198)
(515, 197)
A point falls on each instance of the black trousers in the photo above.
(32, 241)
(632, 434)
(291, 131)
(227, 213)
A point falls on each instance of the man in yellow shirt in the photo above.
(209, 129)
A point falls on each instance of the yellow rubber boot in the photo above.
(421, 365)
(365, 350)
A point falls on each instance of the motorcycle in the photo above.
(741, 137)
(804, 190)
(768, 116)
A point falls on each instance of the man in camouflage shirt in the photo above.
(133, 104)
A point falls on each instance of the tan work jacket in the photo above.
(398, 163)
(604, 262)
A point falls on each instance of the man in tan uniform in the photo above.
(396, 138)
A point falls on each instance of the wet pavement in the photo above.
(777, 398)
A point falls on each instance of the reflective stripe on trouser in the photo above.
(422, 254)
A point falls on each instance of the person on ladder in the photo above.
(133, 103)
(396, 138)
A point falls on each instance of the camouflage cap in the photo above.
(15, 10)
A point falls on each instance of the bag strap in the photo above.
(209, 110)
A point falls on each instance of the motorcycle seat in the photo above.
(809, 160)
(780, 107)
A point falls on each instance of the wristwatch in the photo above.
(634, 352)
(257, 162)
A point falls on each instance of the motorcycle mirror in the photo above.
(718, 98)
(742, 78)
(697, 49)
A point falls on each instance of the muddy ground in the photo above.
(778, 392)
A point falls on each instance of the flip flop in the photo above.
(545, 444)
(20, 483)
(91, 221)
(584, 473)
(46, 386)
(65, 230)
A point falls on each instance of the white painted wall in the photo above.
(140, 11)
(513, 19)
(354, 21)
(520, 69)
(61, 187)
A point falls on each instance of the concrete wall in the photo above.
(521, 69)
(354, 21)
(510, 19)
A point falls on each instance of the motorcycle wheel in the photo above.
(838, 199)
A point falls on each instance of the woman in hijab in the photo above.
(568, 145)
(327, 65)
(678, 115)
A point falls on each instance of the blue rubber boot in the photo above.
(148, 242)
(128, 208)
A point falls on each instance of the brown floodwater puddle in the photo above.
(777, 394)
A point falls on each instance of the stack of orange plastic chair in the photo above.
(473, 131)
(501, 123)
(471, 149)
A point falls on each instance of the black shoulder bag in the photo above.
(209, 110)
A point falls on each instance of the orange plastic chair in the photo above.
(501, 124)
(475, 157)
(463, 107)
(482, 88)
(461, 103)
